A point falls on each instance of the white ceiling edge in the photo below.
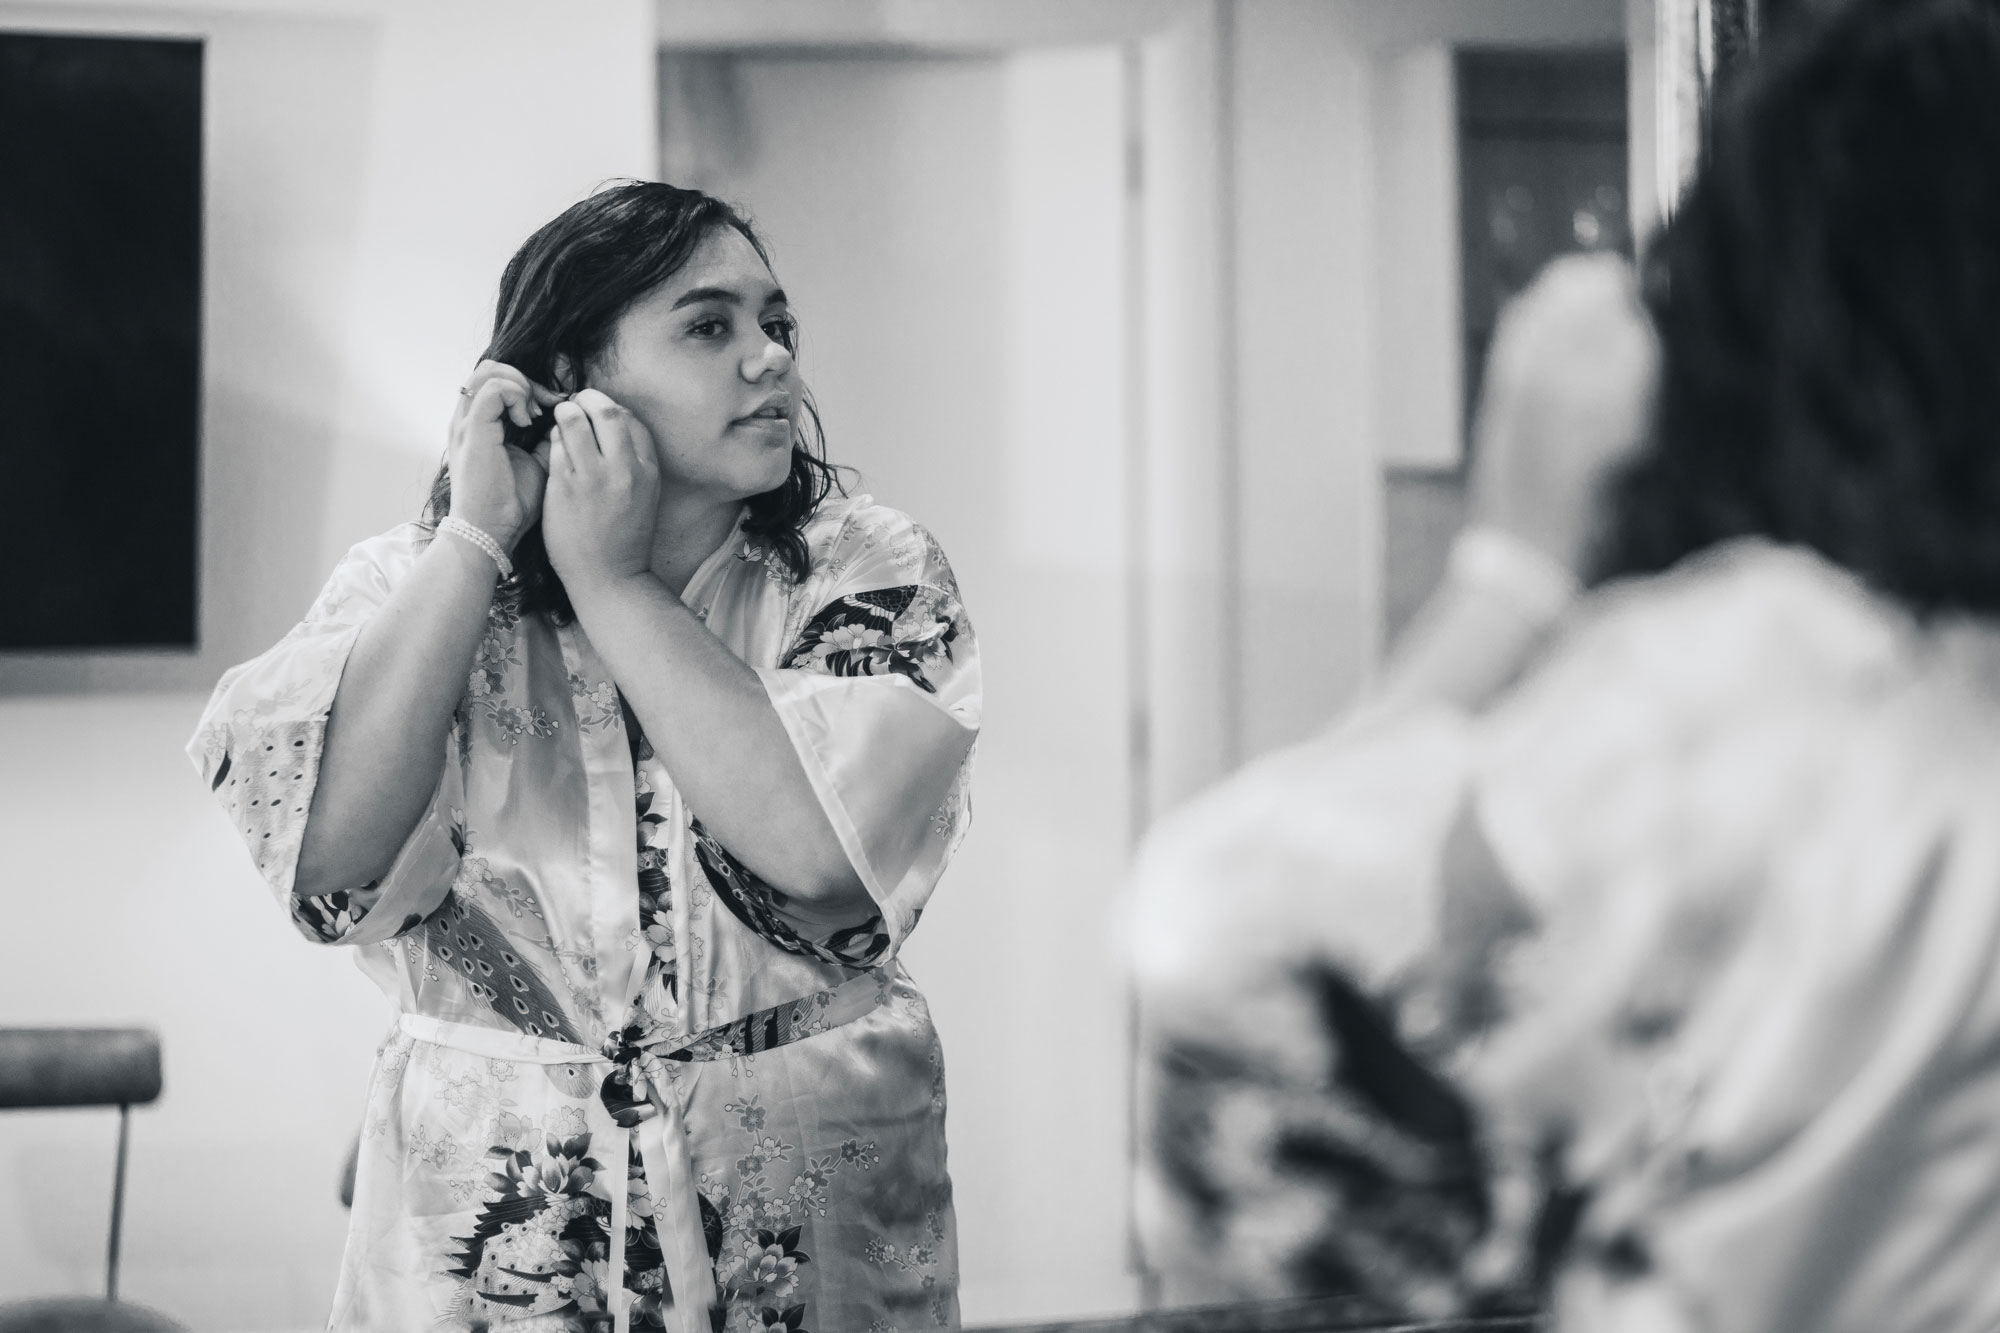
(912, 27)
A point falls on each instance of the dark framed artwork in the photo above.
(100, 340)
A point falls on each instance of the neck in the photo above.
(686, 532)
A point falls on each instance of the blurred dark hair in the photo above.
(562, 295)
(1828, 300)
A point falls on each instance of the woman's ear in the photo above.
(564, 383)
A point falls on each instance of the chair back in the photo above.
(46, 1067)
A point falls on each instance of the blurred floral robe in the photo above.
(617, 1049)
(1701, 922)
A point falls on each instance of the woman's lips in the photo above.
(781, 427)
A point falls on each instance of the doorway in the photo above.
(952, 232)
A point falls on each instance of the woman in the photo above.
(1700, 922)
(628, 771)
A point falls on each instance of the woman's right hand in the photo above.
(1568, 398)
(495, 488)
(1568, 395)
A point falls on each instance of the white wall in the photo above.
(369, 168)
(1310, 331)
(949, 233)
(1188, 460)
(1309, 525)
(1420, 382)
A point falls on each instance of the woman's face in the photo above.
(705, 362)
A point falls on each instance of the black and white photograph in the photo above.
(1032, 666)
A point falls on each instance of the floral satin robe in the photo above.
(618, 1052)
(1699, 923)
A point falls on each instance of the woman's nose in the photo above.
(772, 359)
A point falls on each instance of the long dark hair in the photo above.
(1828, 299)
(561, 297)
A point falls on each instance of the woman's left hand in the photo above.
(603, 493)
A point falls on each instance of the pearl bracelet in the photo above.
(458, 527)
(1539, 586)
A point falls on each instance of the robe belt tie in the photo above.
(638, 1093)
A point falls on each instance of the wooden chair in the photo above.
(42, 1068)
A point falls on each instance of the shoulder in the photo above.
(1737, 632)
(1720, 695)
(391, 552)
(370, 570)
(1744, 613)
(852, 536)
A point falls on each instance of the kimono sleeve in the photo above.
(1285, 1133)
(879, 691)
(261, 739)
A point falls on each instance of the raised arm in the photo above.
(702, 707)
(384, 749)
(1567, 397)
(838, 776)
(715, 726)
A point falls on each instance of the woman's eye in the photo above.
(783, 331)
(709, 328)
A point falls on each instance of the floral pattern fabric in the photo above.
(576, 958)
(1693, 939)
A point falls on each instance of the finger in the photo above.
(543, 395)
(1585, 268)
(493, 400)
(520, 403)
(538, 396)
(1588, 286)
(487, 372)
(579, 432)
(619, 434)
(565, 467)
(606, 424)
(556, 456)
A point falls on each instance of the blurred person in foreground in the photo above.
(1644, 957)
(626, 772)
